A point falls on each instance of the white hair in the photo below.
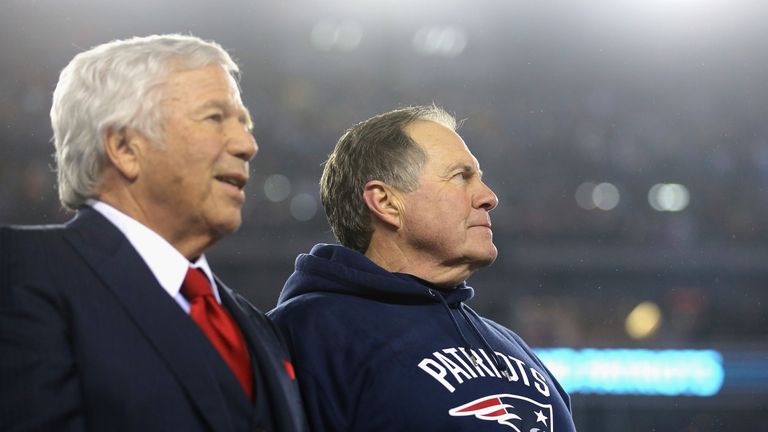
(113, 86)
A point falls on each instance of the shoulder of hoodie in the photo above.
(306, 310)
(509, 334)
(519, 340)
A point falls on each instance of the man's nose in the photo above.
(487, 199)
(242, 143)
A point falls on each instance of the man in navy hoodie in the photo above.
(378, 327)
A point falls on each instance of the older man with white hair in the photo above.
(115, 321)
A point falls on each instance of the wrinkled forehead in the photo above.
(188, 91)
(442, 145)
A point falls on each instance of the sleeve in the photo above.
(321, 404)
(39, 381)
(323, 379)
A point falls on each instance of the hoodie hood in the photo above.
(337, 269)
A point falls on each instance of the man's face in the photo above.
(446, 219)
(194, 177)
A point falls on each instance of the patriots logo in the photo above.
(518, 412)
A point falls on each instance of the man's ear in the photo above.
(124, 149)
(384, 202)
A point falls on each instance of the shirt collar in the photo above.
(166, 263)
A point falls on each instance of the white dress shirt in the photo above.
(165, 262)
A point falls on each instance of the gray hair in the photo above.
(375, 149)
(113, 86)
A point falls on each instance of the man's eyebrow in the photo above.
(226, 106)
(215, 103)
(465, 168)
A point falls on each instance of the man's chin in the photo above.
(486, 258)
(487, 262)
(228, 225)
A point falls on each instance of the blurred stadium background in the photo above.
(627, 141)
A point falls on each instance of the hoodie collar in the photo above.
(335, 268)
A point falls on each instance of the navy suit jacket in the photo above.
(90, 341)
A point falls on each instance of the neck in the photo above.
(394, 257)
(189, 244)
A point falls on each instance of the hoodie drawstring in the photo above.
(467, 345)
(463, 309)
(500, 366)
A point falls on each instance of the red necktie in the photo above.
(218, 326)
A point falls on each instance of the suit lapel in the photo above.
(172, 334)
(269, 354)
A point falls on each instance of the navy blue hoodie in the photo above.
(381, 351)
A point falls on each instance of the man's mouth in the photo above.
(483, 224)
(235, 180)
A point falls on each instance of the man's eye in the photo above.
(218, 118)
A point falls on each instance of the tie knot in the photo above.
(195, 284)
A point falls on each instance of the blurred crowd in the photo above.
(567, 276)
